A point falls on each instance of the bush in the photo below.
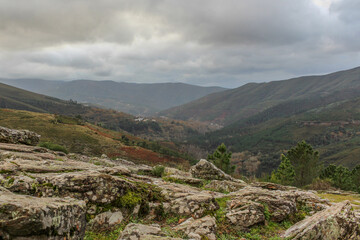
(54, 147)
(158, 171)
(320, 184)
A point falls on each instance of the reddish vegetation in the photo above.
(141, 154)
(148, 156)
(99, 132)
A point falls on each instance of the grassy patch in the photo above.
(353, 198)
(158, 171)
(54, 147)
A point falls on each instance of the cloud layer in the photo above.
(204, 42)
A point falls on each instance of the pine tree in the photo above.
(306, 163)
(221, 158)
(285, 174)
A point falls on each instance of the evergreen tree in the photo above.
(306, 163)
(221, 158)
(285, 174)
(355, 173)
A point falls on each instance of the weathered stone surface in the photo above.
(152, 237)
(280, 204)
(116, 170)
(18, 136)
(184, 179)
(203, 228)
(173, 171)
(26, 217)
(135, 231)
(195, 205)
(207, 170)
(106, 220)
(271, 186)
(186, 200)
(243, 214)
(225, 186)
(92, 186)
(336, 222)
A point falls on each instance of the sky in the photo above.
(204, 42)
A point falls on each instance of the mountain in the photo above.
(229, 106)
(159, 129)
(133, 98)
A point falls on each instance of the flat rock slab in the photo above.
(27, 217)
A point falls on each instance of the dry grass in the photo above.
(353, 198)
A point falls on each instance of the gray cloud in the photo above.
(206, 42)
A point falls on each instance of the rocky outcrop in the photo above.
(26, 217)
(244, 214)
(207, 170)
(54, 192)
(18, 136)
(185, 200)
(280, 204)
(336, 222)
(225, 186)
(203, 228)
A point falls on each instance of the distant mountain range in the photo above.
(232, 105)
(264, 120)
(132, 98)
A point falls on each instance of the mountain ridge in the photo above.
(234, 104)
(133, 98)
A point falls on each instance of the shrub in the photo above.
(54, 147)
(320, 184)
(158, 171)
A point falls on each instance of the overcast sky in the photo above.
(204, 42)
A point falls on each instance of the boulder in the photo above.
(203, 228)
(207, 170)
(27, 217)
(135, 231)
(18, 136)
(106, 220)
(279, 207)
(195, 205)
(336, 222)
(244, 214)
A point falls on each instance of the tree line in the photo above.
(300, 167)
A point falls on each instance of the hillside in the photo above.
(257, 142)
(133, 98)
(84, 138)
(236, 104)
(159, 129)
